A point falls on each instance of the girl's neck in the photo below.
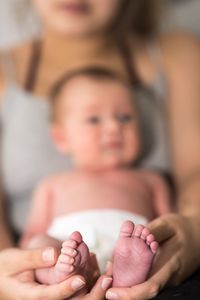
(72, 46)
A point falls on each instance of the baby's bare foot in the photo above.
(72, 260)
(133, 255)
(73, 257)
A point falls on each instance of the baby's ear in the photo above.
(59, 138)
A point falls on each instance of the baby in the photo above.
(95, 121)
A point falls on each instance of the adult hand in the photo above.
(98, 291)
(17, 276)
(178, 257)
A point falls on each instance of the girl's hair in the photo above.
(137, 17)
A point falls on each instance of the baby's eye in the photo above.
(93, 120)
(125, 118)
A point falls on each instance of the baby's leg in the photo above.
(133, 255)
(73, 258)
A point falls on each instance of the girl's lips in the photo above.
(73, 7)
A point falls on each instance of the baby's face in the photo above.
(99, 123)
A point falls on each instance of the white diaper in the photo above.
(99, 228)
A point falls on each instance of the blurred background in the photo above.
(18, 22)
(182, 14)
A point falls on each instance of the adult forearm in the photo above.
(188, 200)
(5, 234)
(6, 239)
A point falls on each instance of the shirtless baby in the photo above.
(95, 121)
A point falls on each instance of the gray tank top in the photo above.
(28, 154)
(154, 126)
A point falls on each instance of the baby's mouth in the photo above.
(113, 145)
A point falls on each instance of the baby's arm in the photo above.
(161, 193)
(40, 213)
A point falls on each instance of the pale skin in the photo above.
(98, 125)
(180, 57)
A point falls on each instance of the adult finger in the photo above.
(147, 289)
(99, 290)
(161, 229)
(109, 268)
(63, 290)
(66, 289)
(15, 260)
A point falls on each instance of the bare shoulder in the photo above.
(151, 176)
(180, 52)
(57, 177)
(21, 56)
(179, 42)
(65, 178)
(22, 51)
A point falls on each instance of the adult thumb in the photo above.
(14, 260)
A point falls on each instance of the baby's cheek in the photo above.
(133, 150)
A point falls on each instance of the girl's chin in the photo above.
(71, 30)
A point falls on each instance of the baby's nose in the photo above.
(112, 126)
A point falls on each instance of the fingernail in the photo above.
(109, 268)
(108, 265)
(106, 282)
(77, 284)
(111, 296)
(48, 254)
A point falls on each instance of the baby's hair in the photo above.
(93, 73)
(96, 73)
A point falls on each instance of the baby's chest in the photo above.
(83, 191)
(97, 193)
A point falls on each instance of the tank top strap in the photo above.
(33, 65)
(155, 55)
(159, 84)
(125, 52)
